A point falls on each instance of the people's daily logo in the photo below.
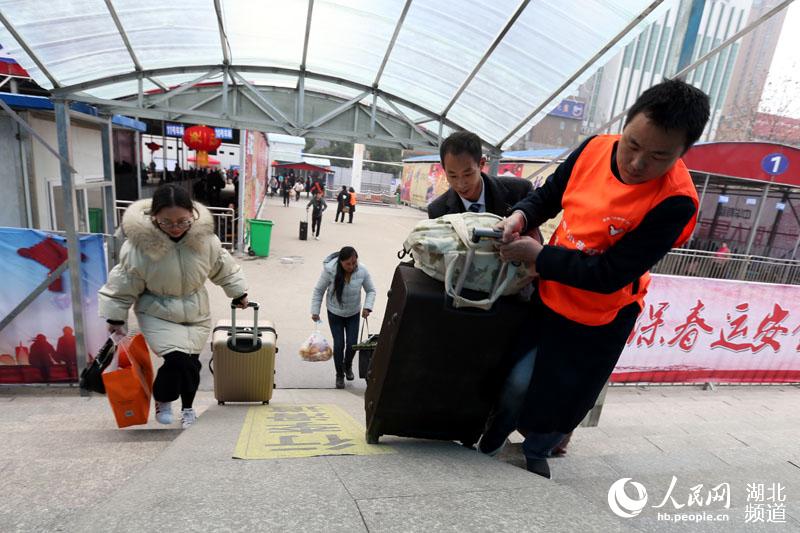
(623, 505)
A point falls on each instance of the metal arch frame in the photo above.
(14, 33)
(489, 51)
(631, 25)
(688, 68)
(301, 79)
(399, 133)
(223, 37)
(73, 92)
(400, 21)
(118, 23)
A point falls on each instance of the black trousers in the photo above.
(316, 222)
(573, 363)
(285, 197)
(352, 210)
(339, 211)
(179, 376)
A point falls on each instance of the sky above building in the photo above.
(782, 91)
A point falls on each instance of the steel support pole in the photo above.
(242, 184)
(754, 229)
(700, 207)
(796, 246)
(107, 138)
(164, 151)
(73, 245)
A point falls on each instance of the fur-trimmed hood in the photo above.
(146, 236)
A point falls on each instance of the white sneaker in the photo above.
(164, 412)
(188, 417)
(316, 238)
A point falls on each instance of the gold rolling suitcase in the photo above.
(243, 359)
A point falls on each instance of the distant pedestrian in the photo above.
(285, 188)
(343, 203)
(299, 187)
(352, 203)
(317, 205)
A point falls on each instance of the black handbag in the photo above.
(92, 375)
(365, 349)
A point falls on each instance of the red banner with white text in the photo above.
(699, 330)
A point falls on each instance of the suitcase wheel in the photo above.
(372, 438)
(220, 402)
(265, 402)
(250, 252)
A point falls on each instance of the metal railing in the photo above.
(224, 222)
(702, 264)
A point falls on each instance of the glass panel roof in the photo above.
(254, 33)
(349, 38)
(439, 45)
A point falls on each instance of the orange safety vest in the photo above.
(598, 210)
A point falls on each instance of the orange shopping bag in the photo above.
(130, 387)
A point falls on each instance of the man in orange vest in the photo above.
(626, 200)
(352, 203)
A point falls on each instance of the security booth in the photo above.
(32, 173)
(749, 218)
(751, 197)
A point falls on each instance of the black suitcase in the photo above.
(304, 228)
(437, 370)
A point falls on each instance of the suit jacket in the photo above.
(501, 195)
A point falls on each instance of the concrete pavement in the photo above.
(66, 467)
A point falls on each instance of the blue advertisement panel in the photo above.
(569, 109)
(176, 130)
(38, 346)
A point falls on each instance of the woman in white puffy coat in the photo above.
(170, 252)
(343, 279)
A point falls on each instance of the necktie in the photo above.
(475, 208)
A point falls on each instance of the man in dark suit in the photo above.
(470, 189)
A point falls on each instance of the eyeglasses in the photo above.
(181, 224)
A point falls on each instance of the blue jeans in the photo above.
(505, 415)
(343, 353)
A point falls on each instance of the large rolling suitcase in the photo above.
(304, 228)
(437, 371)
(243, 359)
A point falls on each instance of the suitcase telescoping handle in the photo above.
(255, 307)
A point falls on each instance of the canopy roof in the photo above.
(301, 166)
(490, 66)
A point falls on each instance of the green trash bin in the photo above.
(260, 234)
(95, 220)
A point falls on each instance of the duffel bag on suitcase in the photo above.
(444, 249)
(243, 359)
(437, 370)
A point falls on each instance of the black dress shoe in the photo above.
(349, 374)
(538, 466)
(339, 382)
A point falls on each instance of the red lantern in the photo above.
(202, 139)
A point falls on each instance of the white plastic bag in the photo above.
(316, 347)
